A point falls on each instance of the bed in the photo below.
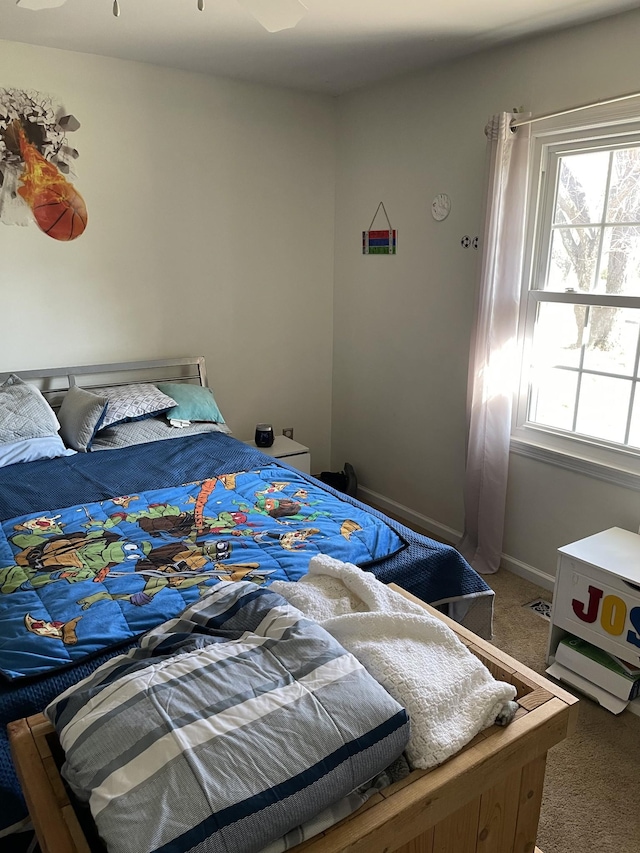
(485, 798)
(99, 547)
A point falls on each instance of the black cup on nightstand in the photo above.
(264, 435)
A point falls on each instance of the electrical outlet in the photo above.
(288, 432)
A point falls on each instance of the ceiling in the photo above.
(339, 45)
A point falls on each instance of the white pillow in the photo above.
(24, 412)
(33, 449)
(132, 402)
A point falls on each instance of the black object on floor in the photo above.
(343, 481)
(21, 842)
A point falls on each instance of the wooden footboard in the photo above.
(486, 799)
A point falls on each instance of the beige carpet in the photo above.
(592, 789)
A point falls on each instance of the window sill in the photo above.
(618, 474)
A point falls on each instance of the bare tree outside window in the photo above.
(616, 234)
(584, 371)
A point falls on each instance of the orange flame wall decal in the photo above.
(57, 206)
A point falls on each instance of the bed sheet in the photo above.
(431, 570)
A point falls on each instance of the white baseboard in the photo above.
(410, 515)
(441, 531)
(529, 573)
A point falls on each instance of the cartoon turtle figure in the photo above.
(74, 558)
(179, 565)
(279, 508)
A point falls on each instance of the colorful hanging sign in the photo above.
(380, 242)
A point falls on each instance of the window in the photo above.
(579, 395)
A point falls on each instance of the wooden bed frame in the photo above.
(485, 799)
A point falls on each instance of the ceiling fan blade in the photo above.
(275, 15)
(36, 5)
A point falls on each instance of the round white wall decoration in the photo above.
(440, 207)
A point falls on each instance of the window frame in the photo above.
(610, 127)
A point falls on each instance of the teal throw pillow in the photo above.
(195, 403)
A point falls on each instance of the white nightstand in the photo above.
(290, 451)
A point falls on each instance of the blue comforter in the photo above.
(433, 571)
(77, 580)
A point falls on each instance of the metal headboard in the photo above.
(55, 381)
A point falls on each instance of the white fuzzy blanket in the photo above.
(449, 694)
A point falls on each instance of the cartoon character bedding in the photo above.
(87, 577)
(96, 549)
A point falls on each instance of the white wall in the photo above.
(403, 324)
(206, 196)
(211, 207)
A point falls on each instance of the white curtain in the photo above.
(493, 361)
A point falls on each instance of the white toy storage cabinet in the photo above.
(597, 598)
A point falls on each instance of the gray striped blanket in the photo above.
(228, 727)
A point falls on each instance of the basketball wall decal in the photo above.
(36, 166)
